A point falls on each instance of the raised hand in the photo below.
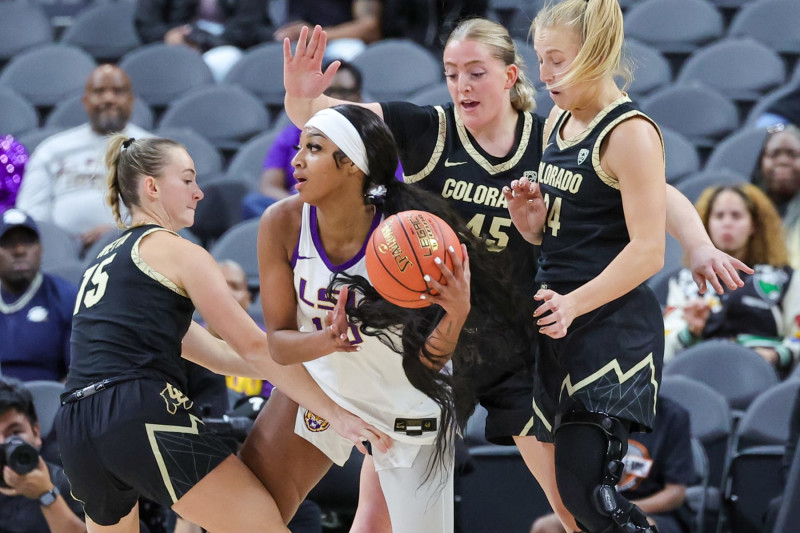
(302, 73)
(527, 208)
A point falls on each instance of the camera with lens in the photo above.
(20, 456)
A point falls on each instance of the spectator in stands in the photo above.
(777, 172)
(785, 110)
(413, 19)
(64, 180)
(219, 30)
(35, 308)
(658, 468)
(39, 501)
(350, 24)
(765, 313)
(277, 180)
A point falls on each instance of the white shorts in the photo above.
(419, 501)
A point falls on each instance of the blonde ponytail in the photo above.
(113, 154)
(599, 24)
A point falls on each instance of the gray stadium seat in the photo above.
(259, 71)
(162, 73)
(651, 70)
(226, 115)
(789, 513)
(239, 244)
(71, 271)
(17, 115)
(48, 74)
(700, 113)
(738, 373)
(434, 95)
(543, 103)
(22, 26)
(775, 23)
(105, 31)
(46, 401)
(770, 98)
(681, 156)
(58, 246)
(693, 185)
(220, 209)
(248, 163)
(207, 159)
(738, 152)
(394, 69)
(766, 420)
(742, 69)
(674, 26)
(70, 112)
(528, 55)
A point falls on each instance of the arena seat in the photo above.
(207, 159)
(48, 74)
(674, 26)
(394, 69)
(776, 23)
(23, 26)
(71, 112)
(105, 31)
(17, 115)
(161, 73)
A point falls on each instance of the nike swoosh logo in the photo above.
(304, 257)
(447, 163)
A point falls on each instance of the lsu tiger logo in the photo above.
(315, 423)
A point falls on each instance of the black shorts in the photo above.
(609, 362)
(136, 438)
(506, 392)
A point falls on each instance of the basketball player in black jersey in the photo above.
(466, 151)
(125, 427)
(598, 209)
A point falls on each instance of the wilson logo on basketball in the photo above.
(391, 246)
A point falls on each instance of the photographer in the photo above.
(38, 501)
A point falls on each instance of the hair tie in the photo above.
(127, 143)
(376, 195)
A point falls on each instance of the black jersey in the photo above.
(439, 154)
(585, 226)
(129, 320)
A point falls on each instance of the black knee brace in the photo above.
(589, 451)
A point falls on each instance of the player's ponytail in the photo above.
(113, 154)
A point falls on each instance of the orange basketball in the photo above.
(403, 249)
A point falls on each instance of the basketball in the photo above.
(402, 250)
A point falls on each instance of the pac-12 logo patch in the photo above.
(315, 423)
(582, 155)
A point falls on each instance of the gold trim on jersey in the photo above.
(613, 181)
(437, 150)
(152, 429)
(572, 141)
(149, 271)
(537, 412)
(622, 377)
(482, 161)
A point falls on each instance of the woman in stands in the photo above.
(763, 314)
(126, 429)
(466, 151)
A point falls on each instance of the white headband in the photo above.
(343, 134)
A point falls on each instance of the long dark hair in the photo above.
(493, 315)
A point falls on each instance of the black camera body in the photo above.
(20, 456)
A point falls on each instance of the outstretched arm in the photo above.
(706, 262)
(304, 80)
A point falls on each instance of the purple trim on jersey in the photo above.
(296, 251)
(321, 250)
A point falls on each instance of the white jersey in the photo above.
(370, 383)
(65, 180)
